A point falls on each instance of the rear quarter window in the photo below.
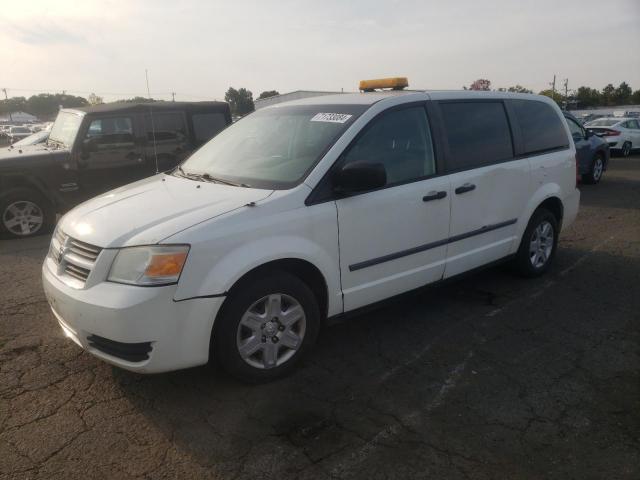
(541, 128)
(478, 134)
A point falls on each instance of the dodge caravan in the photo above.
(307, 210)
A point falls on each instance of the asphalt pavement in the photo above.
(491, 376)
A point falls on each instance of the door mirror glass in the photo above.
(359, 177)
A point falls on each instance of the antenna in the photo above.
(153, 126)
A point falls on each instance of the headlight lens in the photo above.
(152, 265)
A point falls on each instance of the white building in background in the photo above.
(285, 97)
(18, 117)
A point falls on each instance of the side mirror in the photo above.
(359, 177)
(589, 133)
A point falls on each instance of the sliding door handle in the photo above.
(467, 187)
(434, 196)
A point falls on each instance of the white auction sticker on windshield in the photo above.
(331, 117)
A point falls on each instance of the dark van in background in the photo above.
(95, 149)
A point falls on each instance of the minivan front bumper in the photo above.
(142, 329)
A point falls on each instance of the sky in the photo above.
(199, 48)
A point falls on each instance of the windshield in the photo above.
(65, 128)
(275, 147)
(20, 130)
(604, 122)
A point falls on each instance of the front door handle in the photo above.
(467, 187)
(434, 196)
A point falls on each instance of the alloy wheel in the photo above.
(23, 218)
(271, 331)
(541, 244)
(598, 167)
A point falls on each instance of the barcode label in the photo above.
(331, 117)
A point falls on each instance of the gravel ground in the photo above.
(491, 376)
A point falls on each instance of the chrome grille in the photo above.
(75, 259)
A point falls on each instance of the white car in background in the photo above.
(622, 134)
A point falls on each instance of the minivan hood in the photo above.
(147, 211)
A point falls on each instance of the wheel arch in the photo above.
(306, 271)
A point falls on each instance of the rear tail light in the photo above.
(611, 133)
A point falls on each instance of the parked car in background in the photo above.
(592, 152)
(95, 149)
(17, 133)
(39, 137)
(622, 134)
(309, 209)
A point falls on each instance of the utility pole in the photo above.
(553, 88)
(566, 93)
(173, 96)
(7, 99)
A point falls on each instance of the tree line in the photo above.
(46, 105)
(582, 97)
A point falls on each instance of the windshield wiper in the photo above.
(208, 178)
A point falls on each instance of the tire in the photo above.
(38, 215)
(526, 264)
(626, 149)
(597, 169)
(246, 321)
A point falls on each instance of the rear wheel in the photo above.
(597, 168)
(538, 244)
(25, 213)
(626, 149)
(266, 326)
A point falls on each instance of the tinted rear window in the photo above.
(478, 133)
(542, 129)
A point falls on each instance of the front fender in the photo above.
(229, 248)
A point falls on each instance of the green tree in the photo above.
(557, 96)
(136, 100)
(635, 98)
(240, 101)
(13, 104)
(588, 97)
(608, 95)
(622, 94)
(46, 105)
(519, 89)
(268, 93)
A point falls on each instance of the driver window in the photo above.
(109, 133)
(401, 141)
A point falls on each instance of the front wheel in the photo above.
(538, 244)
(25, 213)
(265, 327)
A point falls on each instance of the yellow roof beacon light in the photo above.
(394, 83)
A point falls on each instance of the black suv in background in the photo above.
(95, 149)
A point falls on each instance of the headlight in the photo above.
(152, 265)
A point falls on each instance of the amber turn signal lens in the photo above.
(166, 264)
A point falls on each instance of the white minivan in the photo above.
(308, 210)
